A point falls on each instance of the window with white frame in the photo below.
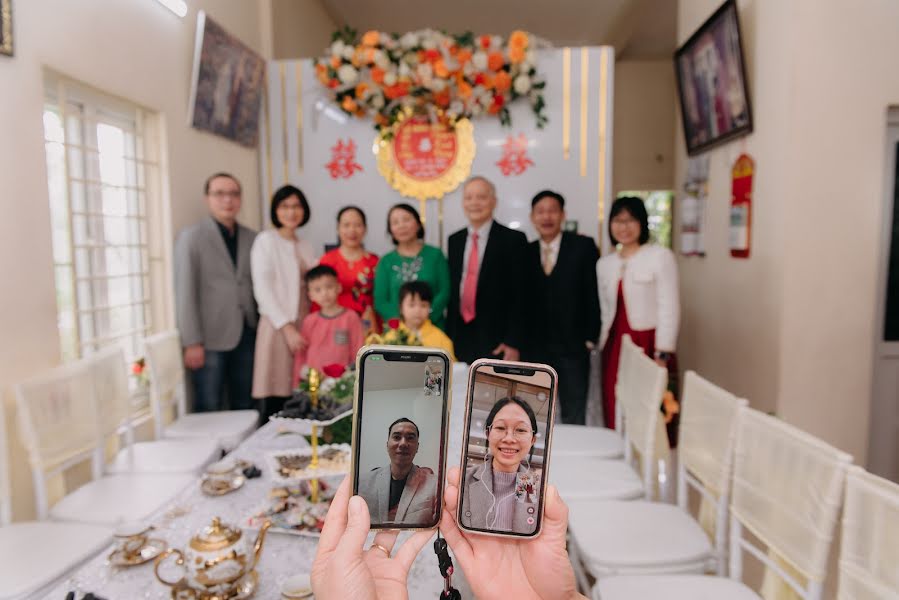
(101, 172)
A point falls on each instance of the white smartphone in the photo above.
(400, 427)
(505, 454)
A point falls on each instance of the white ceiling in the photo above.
(639, 29)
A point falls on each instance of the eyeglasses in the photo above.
(520, 432)
(219, 194)
(626, 221)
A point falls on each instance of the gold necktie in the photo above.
(547, 265)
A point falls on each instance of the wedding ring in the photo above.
(380, 547)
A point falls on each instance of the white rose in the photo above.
(429, 43)
(348, 52)
(377, 101)
(522, 84)
(476, 109)
(405, 70)
(409, 40)
(381, 59)
(385, 39)
(407, 101)
(479, 60)
(496, 41)
(337, 48)
(468, 69)
(390, 78)
(438, 85)
(530, 58)
(347, 74)
(425, 71)
(456, 107)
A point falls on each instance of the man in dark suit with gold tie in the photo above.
(488, 292)
(562, 269)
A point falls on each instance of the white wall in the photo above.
(792, 327)
(135, 49)
(301, 28)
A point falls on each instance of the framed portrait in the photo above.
(227, 85)
(6, 27)
(711, 82)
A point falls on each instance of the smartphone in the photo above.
(400, 427)
(509, 413)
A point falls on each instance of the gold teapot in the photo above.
(216, 559)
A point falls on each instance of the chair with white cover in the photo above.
(110, 382)
(164, 359)
(869, 549)
(58, 425)
(642, 537)
(582, 440)
(787, 491)
(641, 383)
(36, 554)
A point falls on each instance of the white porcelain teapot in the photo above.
(216, 558)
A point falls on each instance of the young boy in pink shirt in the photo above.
(332, 335)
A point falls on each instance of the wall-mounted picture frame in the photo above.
(6, 46)
(711, 82)
(227, 86)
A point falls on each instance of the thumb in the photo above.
(358, 522)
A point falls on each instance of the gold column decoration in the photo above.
(282, 71)
(314, 382)
(268, 136)
(566, 103)
(603, 137)
(299, 74)
(585, 79)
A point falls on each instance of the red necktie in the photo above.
(470, 286)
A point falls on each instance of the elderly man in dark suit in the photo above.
(216, 310)
(488, 292)
(562, 268)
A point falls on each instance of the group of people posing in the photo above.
(255, 309)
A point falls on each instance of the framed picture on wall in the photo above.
(711, 82)
(227, 85)
(6, 27)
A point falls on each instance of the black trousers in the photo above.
(471, 341)
(574, 376)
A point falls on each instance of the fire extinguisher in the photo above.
(741, 206)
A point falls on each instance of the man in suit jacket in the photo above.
(488, 292)
(562, 269)
(401, 492)
(216, 310)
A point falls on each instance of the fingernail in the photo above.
(355, 506)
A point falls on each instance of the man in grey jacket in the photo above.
(216, 311)
(401, 492)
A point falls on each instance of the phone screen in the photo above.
(400, 431)
(505, 451)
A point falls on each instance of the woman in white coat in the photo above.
(278, 261)
(638, 296)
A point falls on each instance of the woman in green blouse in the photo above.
(413, 260)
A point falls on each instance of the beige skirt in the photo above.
(272, 363)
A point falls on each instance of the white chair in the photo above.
(580, 440)
(869, 553)
(35, 554)
(787, 491)
(164, 359)
(110, 382)
(641, 537)
(58, 426)
(641, 383)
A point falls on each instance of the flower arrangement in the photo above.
(139, 373)
(397, 334)
(446, 77)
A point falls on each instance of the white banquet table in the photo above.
(283, 555)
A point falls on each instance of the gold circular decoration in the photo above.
(426, 160)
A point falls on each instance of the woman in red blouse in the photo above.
(355, 266)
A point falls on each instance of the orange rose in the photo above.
(516, 55)
(377, 75)
(495, 61)
(464, 89)
(502, 82)
(369, 55)
(442, 99)
(485, 41)
(348, 104)
(357, 58)
(380, 120)
(335, 62)
(463, 56)
(488, 81)
(361, 89)
(519, 40)
(440, 69)
(371, 38)
(321, 72)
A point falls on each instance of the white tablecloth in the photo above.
(283, 555)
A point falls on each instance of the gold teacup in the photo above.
(131, 537)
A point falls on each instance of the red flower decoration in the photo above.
(334, 370)
(393, 323)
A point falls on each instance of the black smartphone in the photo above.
(509, 413)
(400, 426)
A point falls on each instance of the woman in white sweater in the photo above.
(638, 296)
(278, 261)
